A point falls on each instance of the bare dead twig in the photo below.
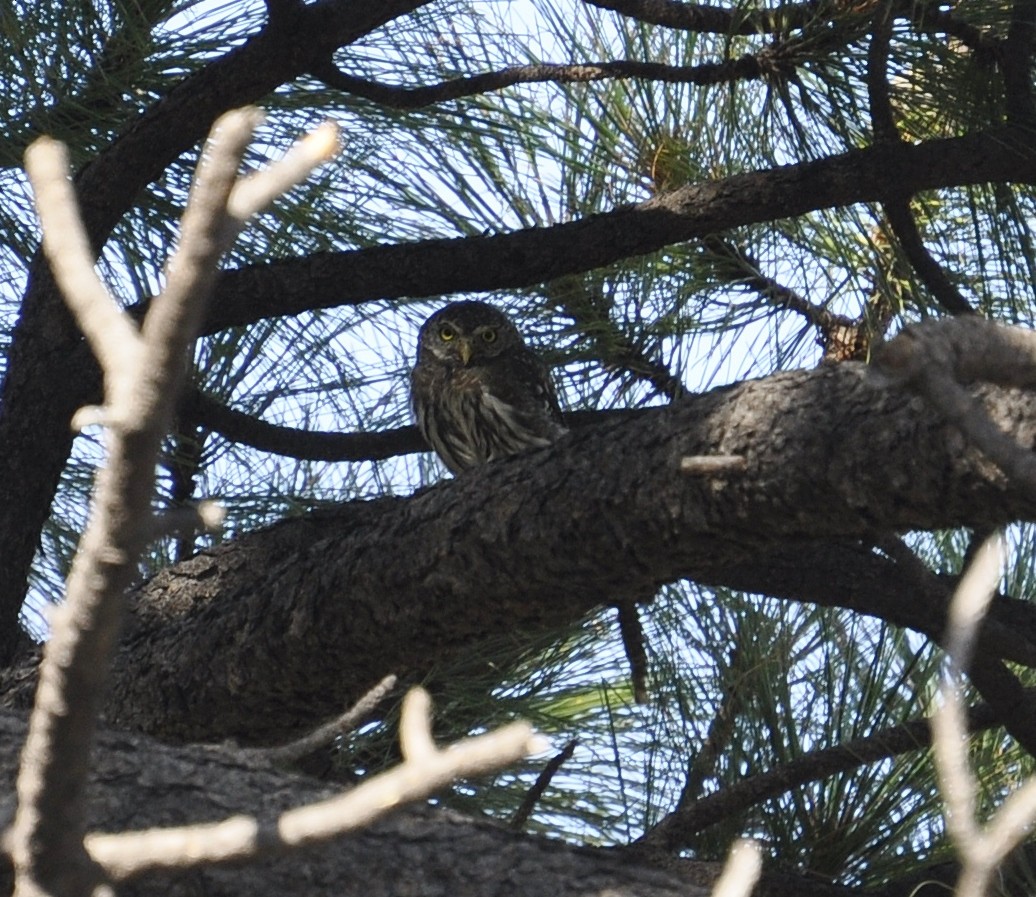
(143, 371)
(323, 735)
(425, 770)
(980, 848)
(325, 446)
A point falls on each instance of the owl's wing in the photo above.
(523, 382)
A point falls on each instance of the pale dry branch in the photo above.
(112, 335)
(980, 848)
(205, 516)
(415, 729)
(324, 735)
(172, 321)
(143, 372)
(425, 770)
(712, 465)
(741, 872)
(254, 193)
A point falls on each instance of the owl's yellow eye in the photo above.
(446, 333)
(489, 334)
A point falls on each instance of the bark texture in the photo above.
(139, 784)
(279, 629)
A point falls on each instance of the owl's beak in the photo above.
(464, 348)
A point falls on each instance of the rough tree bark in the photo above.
(139, 783)
(51, 373)
(279, 629)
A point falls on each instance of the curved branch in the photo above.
(529, 257)
(304, 444)
(676, 829)
(745, 68)
(313, 445)
(602, 514)
(711, 19)
(905, 229)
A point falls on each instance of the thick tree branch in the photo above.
(528, 257)
(248, 644)
(139, 784)
(934, 363)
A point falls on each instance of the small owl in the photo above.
(478, 391)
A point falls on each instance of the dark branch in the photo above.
(591, 313)
(304, 444)
(313, 445)
(1017, 64)
(717, 739)
(745, 271)
(883, 122)
(897, 209)
(530, 257)
(677, 829)
(746, 68)
(930, 19)
(711, 19)
(530, 800)
(903, 225)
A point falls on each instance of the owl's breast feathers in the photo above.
(489, 411)
(479, 393)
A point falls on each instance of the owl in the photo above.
(479, 393)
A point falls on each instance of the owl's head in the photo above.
(465, 333)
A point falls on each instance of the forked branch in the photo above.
(143, 372)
